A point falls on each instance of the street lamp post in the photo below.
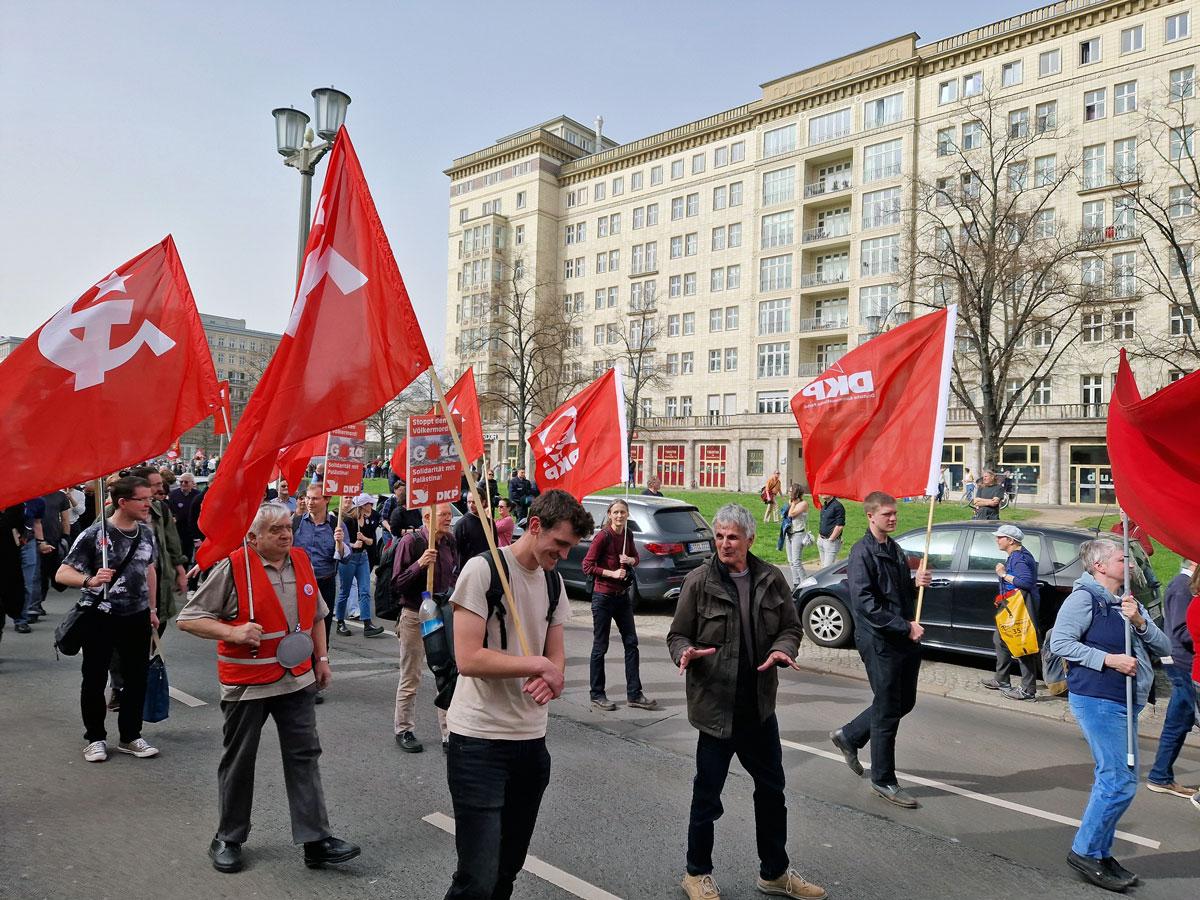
(294, 141)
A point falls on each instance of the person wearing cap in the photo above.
(1018, 571)
(356, 567)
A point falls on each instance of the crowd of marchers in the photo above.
(306, 574)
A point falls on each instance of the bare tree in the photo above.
(639, 363)
(1161, 185)
(985, 236)
(531, 343)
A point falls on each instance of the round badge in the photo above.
(308, 590)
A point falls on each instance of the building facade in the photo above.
(8, 344)
(745, 252)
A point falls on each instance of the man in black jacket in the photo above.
(883, 601)
(469, 537)
(520, 494)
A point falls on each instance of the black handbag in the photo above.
(77, 623)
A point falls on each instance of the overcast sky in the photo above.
(124, 121)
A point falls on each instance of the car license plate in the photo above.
(698, 547)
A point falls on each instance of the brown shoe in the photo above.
(1174, 789)
(792, 884)
(700, 887)
(641, 701)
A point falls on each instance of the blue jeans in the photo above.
(29, 571)
(1180, 717)
(1103, 725)
(354, 568)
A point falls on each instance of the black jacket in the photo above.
(883, 597)
(469, 538)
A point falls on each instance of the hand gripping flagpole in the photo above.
(103, 529)
(1130, 737)
(487, 532)
(925, 560)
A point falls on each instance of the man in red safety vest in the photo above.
(260, 604)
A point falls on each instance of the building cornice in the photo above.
(512, 150)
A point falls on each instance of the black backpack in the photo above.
(387, 606)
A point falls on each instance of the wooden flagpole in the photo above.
(925, 560)
(487, 532)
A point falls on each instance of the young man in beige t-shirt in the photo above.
(498, 766)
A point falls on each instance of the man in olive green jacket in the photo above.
(734, 624)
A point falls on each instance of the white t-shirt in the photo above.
(499, 708)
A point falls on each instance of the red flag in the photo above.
(294, 460)
(464, 402)
(582, 447)
(875, 420)
(124, 370)
(223, 420)
(1155, 458)
(350, 295)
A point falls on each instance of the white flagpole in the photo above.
(1130, 755)
(939, 436)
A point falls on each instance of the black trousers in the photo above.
(606, 609)
(129, 638)
(328, 588)
(757, 747)
(296, 721)
(892, 672)
(497, 789)
(1004, 661)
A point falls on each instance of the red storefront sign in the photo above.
(669, 464)
(711, 465)
(637, 461)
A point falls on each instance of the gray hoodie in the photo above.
(1075, 618)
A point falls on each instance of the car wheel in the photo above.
(827, 622)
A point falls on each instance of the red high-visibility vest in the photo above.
(240, 664)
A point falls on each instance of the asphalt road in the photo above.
(996, 787)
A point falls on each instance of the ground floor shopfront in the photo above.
(1057, 454)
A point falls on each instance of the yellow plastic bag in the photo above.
(1015, 624)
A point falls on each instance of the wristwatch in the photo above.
(322, 659)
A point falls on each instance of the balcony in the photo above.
(821, 279)
(832, 229)
(829, 185)
(1090, 235)
(1041, 412)
(824, 323)
(881, 220)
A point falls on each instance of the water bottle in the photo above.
(438, 653)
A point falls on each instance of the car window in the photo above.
(679, 521)
(941, 547)
(984, 554)
(1065, 551)
(599, 510)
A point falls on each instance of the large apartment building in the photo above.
(757, 245)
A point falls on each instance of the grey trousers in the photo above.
(296, 721)
(1004, 661)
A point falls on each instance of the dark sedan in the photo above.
(672, 539)
(958, 608)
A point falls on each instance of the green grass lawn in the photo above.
(1166, 562)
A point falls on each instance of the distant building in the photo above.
(8, 345)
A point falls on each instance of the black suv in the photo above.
(958, 612)
(672, 539)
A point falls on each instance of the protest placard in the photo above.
(345, 458)
(433, 472)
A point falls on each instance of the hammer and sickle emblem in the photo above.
(92, 356)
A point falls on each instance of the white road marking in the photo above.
(543, 870)
(186, 699)
(982, 798)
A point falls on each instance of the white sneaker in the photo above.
(138, 748)
(96, 751)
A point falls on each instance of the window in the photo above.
(1124, 266)
(1018, 123)
(945, 141)
(1122, 325)
(676, 169)
(754, 460)
(972, 135)
(1182, 321)
(716, 319)
(830, 126)
(735, 234)
(881, 208)
(731, 318)
(676, 250)
(673, 326)
(519, 235)
(1046, 116)
(599, 298)
(656, 175)
(685, 409)
(618, 186)
(1177, 267)
(614, 223)
(1125, 164)
(698, 160)
(673, 362)
(693, 204)
(689, 284)
(774, 360)
(1093, 105)
(775, 273)
(877, 300)
(720, 157)
(635, 181)
(731, 359)
(689, 324)
(1018, 177)
(520, 199)
(1092, 328)
(737, 151)
(639, 217)
(779, 140)
(1182, 143)
(651, 214)
(883, 111)
(1092, 272)
(676, 208)
(687, 362)
(602, 226)
(1125, 98)
(778, 186)
(1092, 389)
(1183, 83)
(720, 197)
(670, 407)
(774, 316)
(1010, 74)
(1178, 26)
(601, 263)
(1182, 202)
(718, 238)
(883, 160)
(972, 85)
(733, 277)
(714, 360)
(1133, 39)
(614, 333)
(600, 189)
(880, 256)
(1089, 51)
(735, 194)
(675, 286)
(1044, 170)
(1043, 224)
(947, 92)
(1049, 63)
(1093, 215)
(778, 229)
(1093, 167)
